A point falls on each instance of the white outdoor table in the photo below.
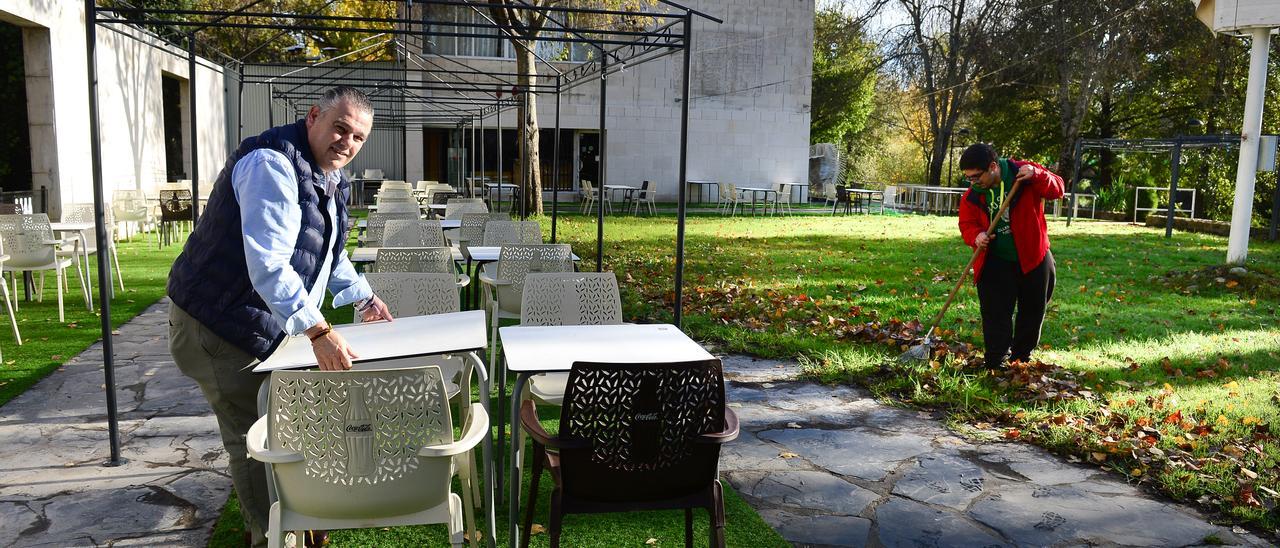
(488, 254)
(626, 190)
(489, 188)
(755, 191)
(409, 337)
(544, 349)
(370, 254)
(82, 243)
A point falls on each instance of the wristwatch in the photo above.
(364, 304)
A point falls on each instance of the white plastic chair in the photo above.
(437, 260)
(130, 206)
(31, 246)
(590, 196)
(782, 200)
(361, 449)
(646, 195)
(569, 298)
(412, 233)
(504, 280)
(377, 222)
(8, 303)
(500, 233)
(410, 206)
(730, 198)
(457, 206)
(83, 213)
(471, 229)
(372, 173)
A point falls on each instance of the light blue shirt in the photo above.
(267, 190)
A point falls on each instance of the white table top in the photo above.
(402, 338)
(621, 187)
(555, 348)
(503, 185)
(71, 226)
(370, 254)
(445, 224)
(757, 189)
(491, 253)
(793, 184)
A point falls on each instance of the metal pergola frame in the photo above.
(1172, 146)
(474, 97)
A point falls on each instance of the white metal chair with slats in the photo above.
(31, 246)
(130, 206)
(647, 195)
(457, 206)
(471, 229)
(360, 449)
(568, 298)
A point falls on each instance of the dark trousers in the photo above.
(1002, 288)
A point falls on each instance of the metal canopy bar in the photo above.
(562, 9)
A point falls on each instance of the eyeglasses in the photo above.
(975, 178)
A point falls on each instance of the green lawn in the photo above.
(1170, 380)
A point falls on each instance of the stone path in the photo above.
(858, 474)
(830, 466)
(54, 490)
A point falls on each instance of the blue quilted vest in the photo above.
(210, 280)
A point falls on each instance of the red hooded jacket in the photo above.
(1026, 217)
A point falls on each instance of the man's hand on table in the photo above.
(331, 350)
(375, 310)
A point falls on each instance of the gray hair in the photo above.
(338, 94)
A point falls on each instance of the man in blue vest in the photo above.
(256, 267)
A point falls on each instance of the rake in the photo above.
(923, 350)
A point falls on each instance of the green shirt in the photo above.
(1002, 240)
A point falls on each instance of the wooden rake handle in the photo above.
(991, 228)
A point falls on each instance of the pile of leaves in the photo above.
(1248, 284)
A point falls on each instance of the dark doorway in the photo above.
(546, 150)
(435, 150)
(589, 157)
(15, 136)
(172, 89)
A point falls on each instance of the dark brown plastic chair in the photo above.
(635, 437)
(175, 207)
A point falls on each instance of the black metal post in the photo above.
(1174, 168)
(1275, 209)
(471, 188)
(684, 166)
(195, 130)
(526, 156)
(240, 106)
(1075, 180)
(498, 116)
(555, 171)
(600, 192)
(271, 111)
(100, 232)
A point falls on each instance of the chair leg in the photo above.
(83, 276)
(275, 537)
(717, 514)
(62, 317)
(529, 508)
(115, 258)
(688, 528)
(465, 477)
(553, 527)
(13, 319)
(40, 288)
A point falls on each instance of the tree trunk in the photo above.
(527, 124)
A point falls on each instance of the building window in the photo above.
(497, 47)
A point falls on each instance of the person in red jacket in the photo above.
(1014, 268)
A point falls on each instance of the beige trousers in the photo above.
(219, 368)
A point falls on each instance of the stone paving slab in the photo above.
(830, 466)
(169, 492)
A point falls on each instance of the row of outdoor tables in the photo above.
(527, 350)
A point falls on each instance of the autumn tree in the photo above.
(939, 51)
